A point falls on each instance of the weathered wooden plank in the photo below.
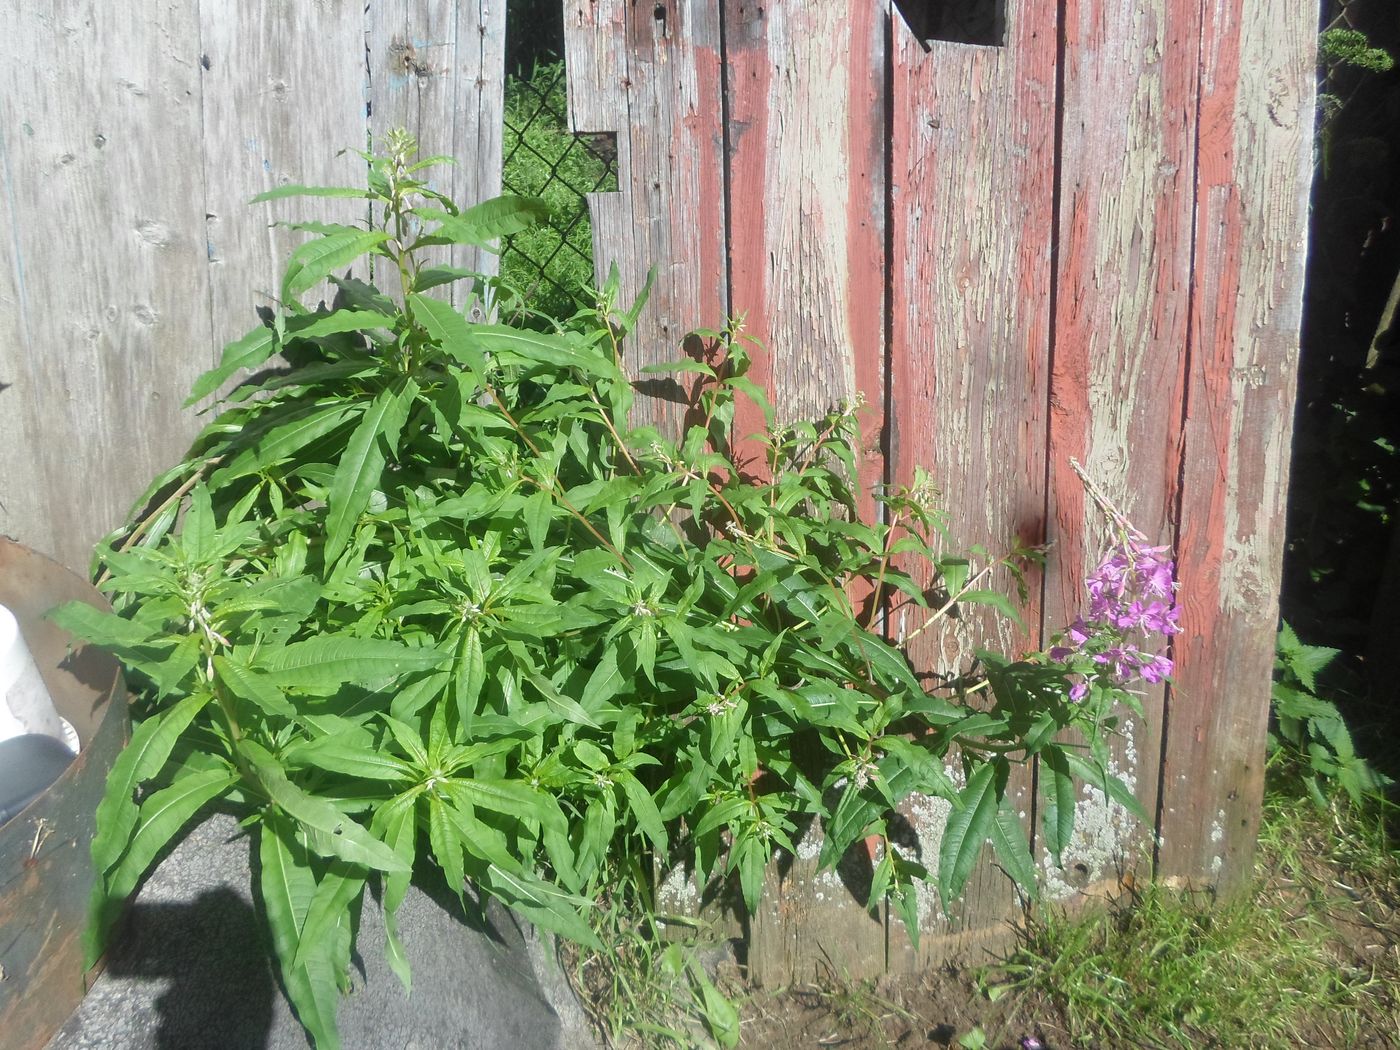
(437, 69)
(1122, 285)
(807, 195)
(284, 92)
(651, 73)
(807, 136)
(971, 205)
(1256, 126)
(103, 299)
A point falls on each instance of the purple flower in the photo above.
(1131, 604)
(1030, 1042)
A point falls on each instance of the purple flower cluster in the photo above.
(1132, 604)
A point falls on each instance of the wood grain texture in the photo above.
(101, 258)
(1252, 183)
(1122, 297)
(971, 202)
(284, 92)
(437, 69)
(807, 188)
(806, 170)
(651, 74)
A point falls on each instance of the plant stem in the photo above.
(943, 610)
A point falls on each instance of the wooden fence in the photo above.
(1084, 238)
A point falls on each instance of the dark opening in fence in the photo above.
(542, 158)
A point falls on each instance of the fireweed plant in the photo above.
(424, 593)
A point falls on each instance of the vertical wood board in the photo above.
(806, 236)
(1256, 128)
(102, 258)
(284, 92)
(971, 204)
(806, 171)
(437, 69)
(651, 74)
(1122, 284)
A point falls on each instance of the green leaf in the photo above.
(1012, 848)
(340, 755)
(312, 261)
(246, 684)
(543, 904)
(342, 321)
(161, 817)
(360, 469)
(288, 887)
(1059, 807)
(101, 628)
(511, 797)
(294, 190)
(396, 824)
(282, 441)
(488, 221)
(341, 835)
(1106, 782)
(248, 352)
(333, 905)
(446, 845)
(998, 601)
(562, 704)
(643, 808)
(514, 346)
(968, 826)
(329, 661)
(143, 758)
(449, 330)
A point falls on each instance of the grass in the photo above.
(1311, 957)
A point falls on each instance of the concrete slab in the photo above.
(192, 971)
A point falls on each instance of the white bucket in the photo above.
(25, 704)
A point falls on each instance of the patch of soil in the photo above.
(933, 1009)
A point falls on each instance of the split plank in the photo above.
(103, 292)
(806, 242)
(971, 205)
(1252, 187)
(1126, 189)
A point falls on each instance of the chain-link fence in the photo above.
(553, 262)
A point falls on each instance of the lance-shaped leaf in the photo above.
(142, 759)
(449, 330)
(294, 190)
(328, 661)
(101, 628)
(395, 822)
(161, 817)
(969, 825)
(362, 466)
(288, 887)
(1059, 808)
(1012, 848)
(282, 441)
(312, 261)
(486, 222)
(248, 685)
(248, 351)
(341, 835)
